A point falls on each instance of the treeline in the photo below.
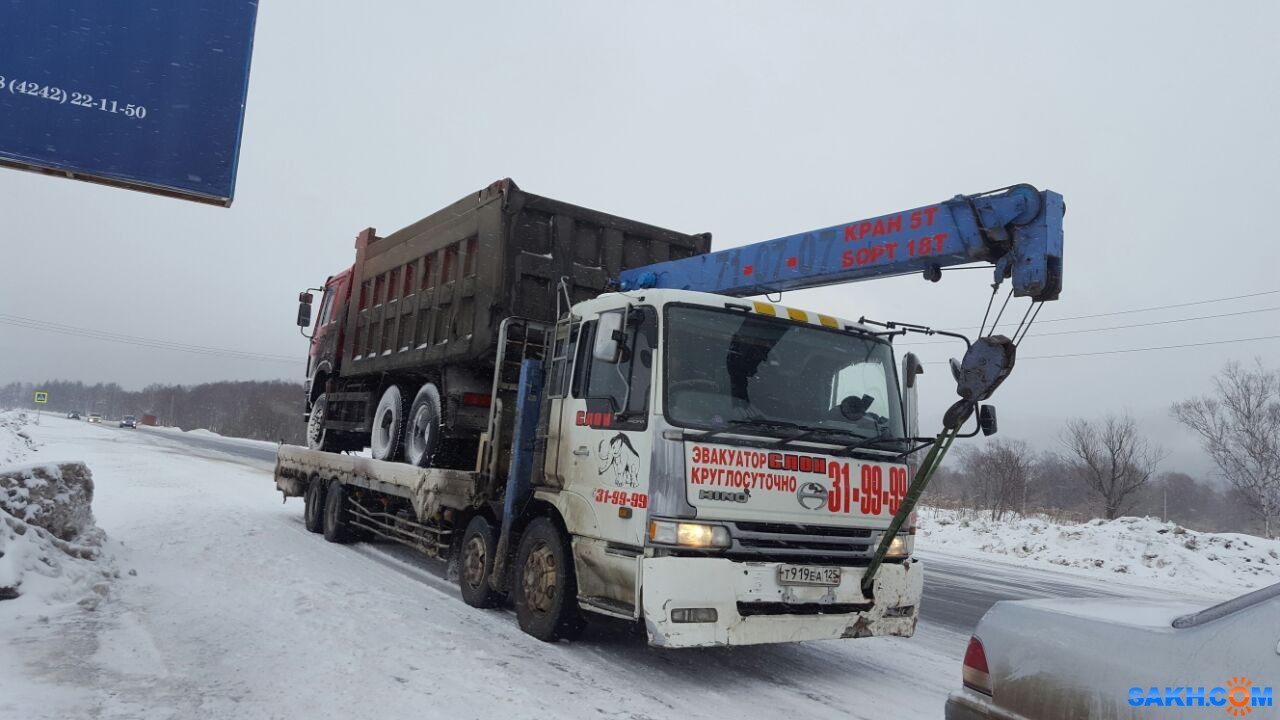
(262, 410)
(1005, 477)
(1108, 467)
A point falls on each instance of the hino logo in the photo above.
(725, 495)
(812, 496)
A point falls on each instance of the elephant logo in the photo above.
(618, 455)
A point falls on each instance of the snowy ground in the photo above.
(237, 611)
(1143, 551)
(202, 433)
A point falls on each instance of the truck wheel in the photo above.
(422, 436)
(546, 589)
(316, 433)
(476, 564)
(337, 528)
(313, 505)
(388, 425)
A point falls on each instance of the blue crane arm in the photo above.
(1018, 229)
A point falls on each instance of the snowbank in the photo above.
(57, 497)
(202, 432)
(1144, 550)
(51, 552)
(15, 444)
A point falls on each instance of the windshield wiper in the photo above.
(806, 431)
(733, 424)
(774, 424)
(921, 443)
(809, 430)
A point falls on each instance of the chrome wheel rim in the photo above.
(420, 432)
(383, 428)
(315, 427)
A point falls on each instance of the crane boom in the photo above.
(1018, 229)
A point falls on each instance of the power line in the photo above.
(1134, 350)
(1146, 349)
(153, 343)
(106, 335)
(1145, 309)
(1118, 327)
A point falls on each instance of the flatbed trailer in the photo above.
(428, 497)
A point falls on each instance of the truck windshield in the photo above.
(724, 369)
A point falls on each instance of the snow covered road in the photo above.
(237, 611)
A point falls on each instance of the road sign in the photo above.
(42, 397)
(133, 93)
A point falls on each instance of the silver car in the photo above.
(1114, 658)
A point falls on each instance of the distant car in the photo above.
(129, 421)
(73, 415)
(95, 418)
(1117, 658)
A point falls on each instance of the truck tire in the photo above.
(313, 505)
(545, 585)
(387, 437)
(422, 432)
(337, 528)
(475, 564)
(317, 436)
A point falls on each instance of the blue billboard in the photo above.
(144, 94)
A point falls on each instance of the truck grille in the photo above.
(811, 544)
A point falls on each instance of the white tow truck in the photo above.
(724, 470)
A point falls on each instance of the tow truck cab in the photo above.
(701, 452)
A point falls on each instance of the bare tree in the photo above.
(1239, 426)
(998, 474)
(1112, 458)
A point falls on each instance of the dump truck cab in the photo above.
(721, 463)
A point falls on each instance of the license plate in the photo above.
(808, 575)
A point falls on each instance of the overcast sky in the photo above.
(1157, 121)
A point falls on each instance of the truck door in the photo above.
(326, 340)
(564, 346)
(605, 450)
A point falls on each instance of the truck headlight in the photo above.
(685, 534)
(902, 546)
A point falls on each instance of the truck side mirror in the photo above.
(609, 336)
(987, 420)
(911, 367)
(304, 309)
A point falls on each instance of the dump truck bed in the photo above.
(435, 292)
(428, 490)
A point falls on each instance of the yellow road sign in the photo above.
(42, 397)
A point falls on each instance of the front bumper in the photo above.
(752, 608)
